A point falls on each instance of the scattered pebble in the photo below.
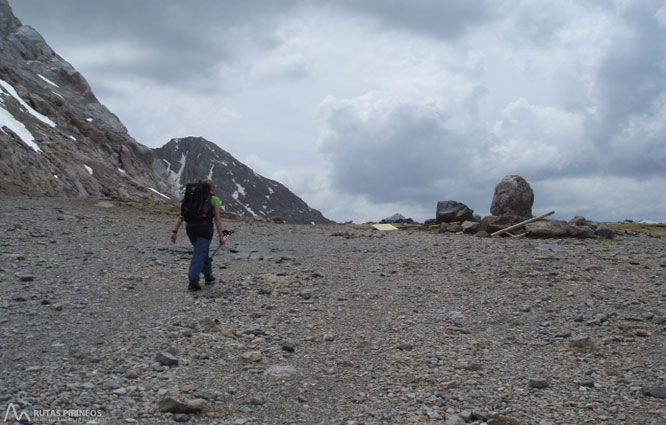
(303, 325)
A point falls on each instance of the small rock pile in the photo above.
(512, 204)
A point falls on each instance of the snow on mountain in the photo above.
(242, 191)
(11, 91)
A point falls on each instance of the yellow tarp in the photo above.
(384, 227)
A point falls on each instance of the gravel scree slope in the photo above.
(327, 324)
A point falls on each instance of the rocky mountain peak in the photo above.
(8, 22)
(242, 191)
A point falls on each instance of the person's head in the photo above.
(211, 184)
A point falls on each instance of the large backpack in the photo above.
(197, 205)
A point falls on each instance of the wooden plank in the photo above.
(522, 223)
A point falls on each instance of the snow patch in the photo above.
(8, 120)
(122, 171)
(159, 193)
(239, 189)
(235, 196)
(90, 170)
(175, 177)
(9, 89)
(48, 81)
(89, 119)
(73, 138)
(250, 210)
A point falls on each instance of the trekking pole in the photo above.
(225, 235)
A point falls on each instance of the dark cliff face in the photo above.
(55, 136)
(241, 190)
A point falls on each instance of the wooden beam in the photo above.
(522, 223)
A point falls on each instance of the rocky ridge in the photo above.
(55, 136)
(242, 191)
(326, 323)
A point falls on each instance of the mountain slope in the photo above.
(241, 190)
(55, 136)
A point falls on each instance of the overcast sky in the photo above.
(366, 108)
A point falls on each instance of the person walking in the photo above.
(200, 231)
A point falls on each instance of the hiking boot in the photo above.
(194, 286)
(209, 279)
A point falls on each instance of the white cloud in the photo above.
(539, 139)
(602, 198)
(163, 112)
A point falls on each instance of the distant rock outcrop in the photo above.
(397, 218)
(394, 218)
(55, 137)
(513, 199)
(242, 191)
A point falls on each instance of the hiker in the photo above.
(200, 232)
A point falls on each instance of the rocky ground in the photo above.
(333, 324)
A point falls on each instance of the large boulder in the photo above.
(470, 226)
(581, 232)
(450, 228)
(491, 224)
(450, 211)
(547, 229)
(581, 228)
(513, 198)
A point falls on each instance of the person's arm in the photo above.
(174, 233)
(218, 224)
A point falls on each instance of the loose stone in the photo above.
(252, 356)
(167, 359)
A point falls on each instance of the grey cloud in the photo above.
(443, 19)
(631, 81)
(399, 153)
(183, 39)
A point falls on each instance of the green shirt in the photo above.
(215, 201)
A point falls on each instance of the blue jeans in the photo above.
(199, 263)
